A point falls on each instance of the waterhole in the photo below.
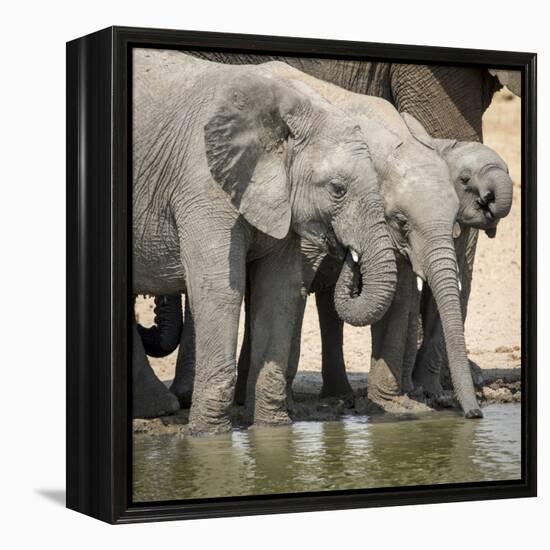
(352, 453)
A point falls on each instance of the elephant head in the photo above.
(480, 177)
(421, 208)
(288, 159)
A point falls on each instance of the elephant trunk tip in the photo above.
(473, 413)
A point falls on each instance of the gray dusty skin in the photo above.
(333, 366)
(234, 166)
(421, 208)
(449, 102)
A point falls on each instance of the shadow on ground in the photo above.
(57, 496)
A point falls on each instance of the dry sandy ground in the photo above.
(493, 326)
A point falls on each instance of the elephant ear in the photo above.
(417, 130)
(444, 146)
(244, 140)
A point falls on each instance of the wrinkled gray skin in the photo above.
(449, 103)
(484, 189)
(235, 166)
(421, 207)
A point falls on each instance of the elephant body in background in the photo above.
(233, 168)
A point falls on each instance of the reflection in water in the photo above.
(352, 453)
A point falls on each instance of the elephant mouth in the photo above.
(487, 209)
(479, 216)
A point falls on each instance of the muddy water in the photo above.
(356, 452)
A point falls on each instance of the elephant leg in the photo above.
(182, 386)
(431, 369)
(215, 288)
(335, 380)
(150, 397)
(243, 365)
(411, 344)
(432, 352)
(389, 344)
(275, 288)
(295, 347)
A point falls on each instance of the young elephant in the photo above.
(233, 165)
(484, 188)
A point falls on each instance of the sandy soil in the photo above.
(493, 326)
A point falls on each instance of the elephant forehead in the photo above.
(342, 159)
(476, 155)
(415, 164)
(427, 185)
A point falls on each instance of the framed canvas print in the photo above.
(301, 274)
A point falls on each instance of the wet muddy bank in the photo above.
(500, 386)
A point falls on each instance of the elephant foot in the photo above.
(199, 428)
(407, 385)
(475, 370)
(339, 389)
(477, 374)
(240, 392)
(400, 404)
(281, 419)
(445, 399)
(184, 393)
(290, 401)
(158, 401)
(428, 384)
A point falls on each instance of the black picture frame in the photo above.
(98, 259)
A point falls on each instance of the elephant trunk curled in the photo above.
(497, 194)
(440, 265)
(163, 337)
(365, 289)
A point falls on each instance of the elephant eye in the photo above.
(402, 222)
(337, 189)
(465, 178)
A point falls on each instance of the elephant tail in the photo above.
(163, 337)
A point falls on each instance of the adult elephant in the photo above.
(449, 103)
(234, 165)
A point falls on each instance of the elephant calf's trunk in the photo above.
(441, 272)
(365, 290)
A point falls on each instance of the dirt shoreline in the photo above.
(499, 386)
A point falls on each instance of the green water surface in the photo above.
(355, 452)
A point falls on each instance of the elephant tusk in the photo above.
(354, 255)
(459, 285)
(419, 283)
